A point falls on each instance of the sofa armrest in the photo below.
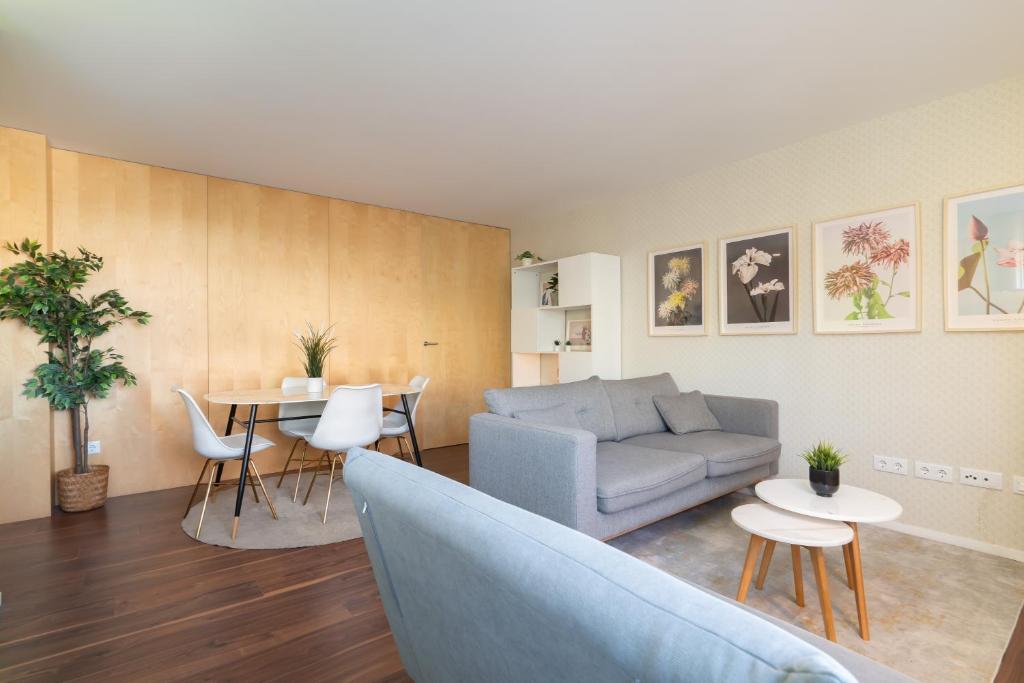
(550, 471)
(754, 416)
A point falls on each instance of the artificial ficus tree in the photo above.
(44, 292)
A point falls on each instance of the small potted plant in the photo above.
(527, 258)
(315, 347)
(568, 345)
(558, 345)
(550, 296)
(44, 292)
(823, 462)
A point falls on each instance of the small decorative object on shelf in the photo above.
(44, 292)
(550, 295)
(558, 345)
(568, 345)
(823, 461)
(315, 346)
(527, 258)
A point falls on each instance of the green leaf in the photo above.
(903, 293)
(853, 316)
(977, 247)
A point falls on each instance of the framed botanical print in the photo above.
(983, 274)
(757, 283)
(675, 291)
(867, 272)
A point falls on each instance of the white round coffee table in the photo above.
(849, 504)
(770, 525)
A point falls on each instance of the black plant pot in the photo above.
(824, 482)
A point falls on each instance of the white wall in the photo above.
(950, 398)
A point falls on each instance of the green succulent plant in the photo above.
(824, 456)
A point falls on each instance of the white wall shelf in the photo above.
(588, 289)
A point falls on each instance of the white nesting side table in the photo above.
(770, 525)
(850, 504)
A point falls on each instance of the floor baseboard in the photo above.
(952, 539)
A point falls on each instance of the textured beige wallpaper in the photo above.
(945, 398)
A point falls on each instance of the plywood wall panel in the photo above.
(376, 294)
(24, 422)
(268, 276)
(149, 225)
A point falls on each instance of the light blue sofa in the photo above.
(624, 469)
(479, 590)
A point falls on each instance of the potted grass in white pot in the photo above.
(315, 345)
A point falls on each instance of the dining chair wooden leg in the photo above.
(766, 560)
(748, 567)
(259, 479)
(376, 445)
(330, 483)
(195, 489)
(408, 448)
(401, 452)
(252, 485)
(848, 561)
(298, 477)
(206, 499)
(316, 473)
(821, 577)
(798, 574)
(287, 462)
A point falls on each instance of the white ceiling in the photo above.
(478, 109)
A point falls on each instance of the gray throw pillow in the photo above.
(561, 415)
(687, 412)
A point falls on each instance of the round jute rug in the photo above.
(297, 526)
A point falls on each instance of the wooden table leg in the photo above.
(848, 560)
(798, 574)
(858, 583)
(821, 577)
(748, 567)
(769, 549)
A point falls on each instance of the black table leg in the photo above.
(250, 427)
(227, 432)
(412, 430)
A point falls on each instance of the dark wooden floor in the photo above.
(121, 594)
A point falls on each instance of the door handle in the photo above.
(429, 343)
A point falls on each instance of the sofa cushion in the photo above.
(632, 403)
(686, 412)
(588, 397)
(562, 415)
(630, 475)
(725, 452)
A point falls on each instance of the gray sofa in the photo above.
(623, 469)
(479, 590)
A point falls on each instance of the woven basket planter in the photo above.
(81, 492)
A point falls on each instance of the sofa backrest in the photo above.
(479, 590)
(633, 403)
(588, 397)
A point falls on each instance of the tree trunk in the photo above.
(76, 440)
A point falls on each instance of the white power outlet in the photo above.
(94, 448)
(1018, 484)
(982, 478)
(890, 464)
(926, 470)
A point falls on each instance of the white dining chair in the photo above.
(219, 449)
(396, 425)
(294, 429)
(352, 417)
